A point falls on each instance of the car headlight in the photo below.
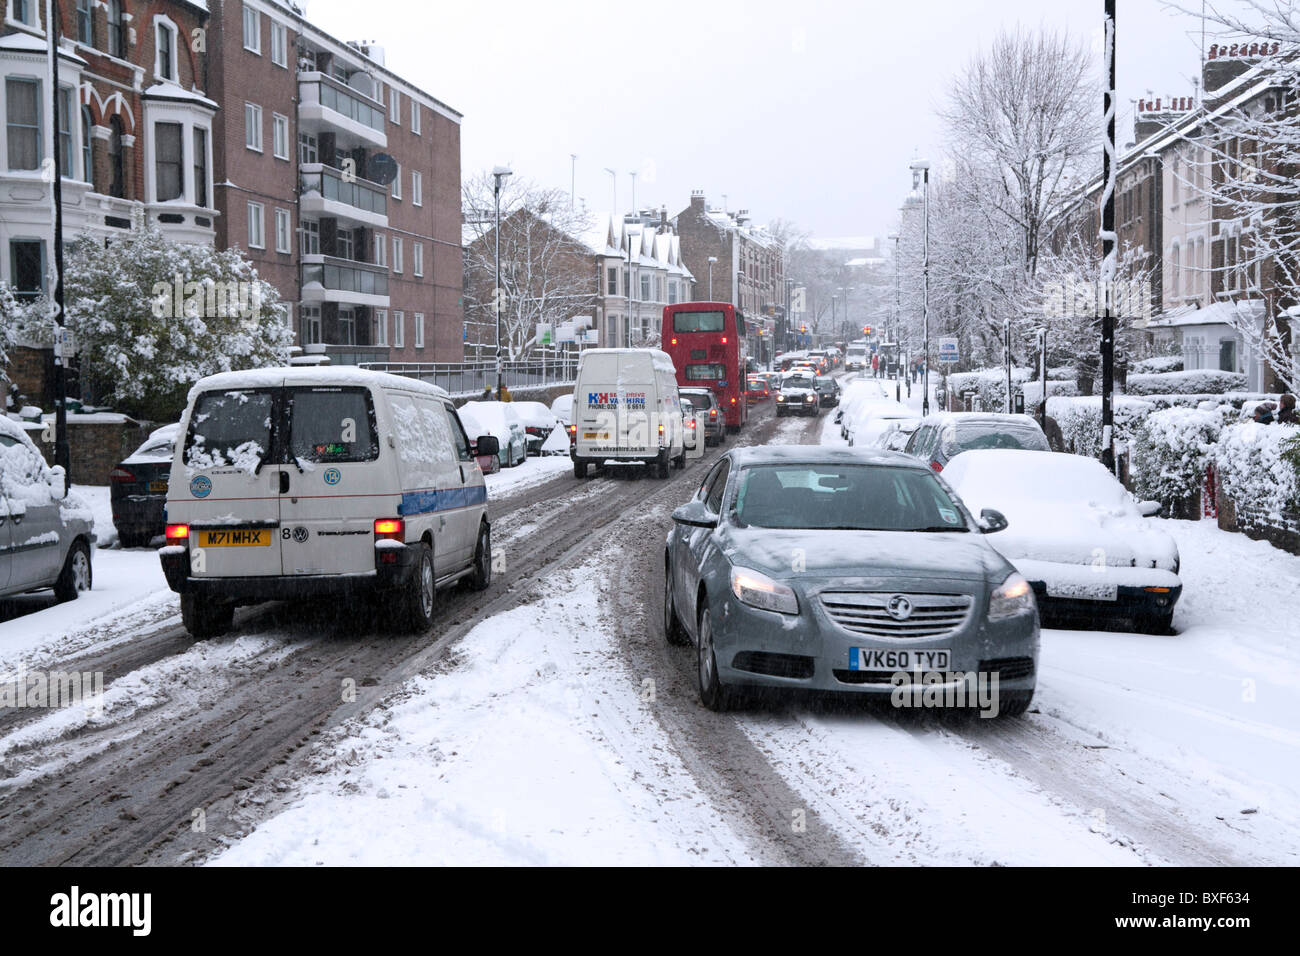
(810, 398)
(760, 591)
(1013, 596)
(780, 398)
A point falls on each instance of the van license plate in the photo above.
(158, 485)
(236, 538)
(596, 436)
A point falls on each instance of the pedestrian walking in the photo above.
(487, 394)
(1264, 413)
(1286, 414)
(505, 395)
(875, 365)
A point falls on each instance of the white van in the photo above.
(626, 409)
(323, 483)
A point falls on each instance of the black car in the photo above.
(828, 391)
(138, 488)
(798, 396)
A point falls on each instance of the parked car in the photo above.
(693, 436)
(894, 577)
(1085, 545)
(756, 389)
(322, 483)
(500, 420)
(709, 411)
(627, 411)
(868, 430)
(897, 433)
(46, 530)
(828, 391)
(137, 488)
(798, 395)
(944, 435)
(853, 396)
(538, 421)
(562, 409)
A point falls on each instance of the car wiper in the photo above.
(946, 527)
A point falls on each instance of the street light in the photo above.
(921, 178)
(712, 260)
(498, 174)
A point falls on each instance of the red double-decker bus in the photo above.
(706, 341)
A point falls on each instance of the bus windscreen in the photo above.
(699, 322)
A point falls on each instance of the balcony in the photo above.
(326, 105)
(325, 194)
(327, 279)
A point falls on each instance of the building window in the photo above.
(279, 44)
(394, 105)
(418, 321)
(252, 31)
(87, 155)
(397, 254)
(256, 225)
(399, 329)
(381, 249)
(200, 162)
(415, 117)
(347, 325)
(611, 280)
(308, 237)
(116, 164)
(279, 136)
(85, 22)
(65, 132)
(168, 182)
(27, 267)
(417, 258)
(417, 188)
(116, 33)
(23, 122)
(343, 244)
(379, 332)
(165, 65)
(645, 288)
(283, 231)
(310, 315)
(397, 184)
(253, 127)
(307, 151)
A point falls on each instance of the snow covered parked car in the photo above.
(500, 420)
(322, 483)
(46, 531)
(944, 435)
(538, 421)
(138, 488)
(1082, 541)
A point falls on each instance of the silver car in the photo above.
(848, 570)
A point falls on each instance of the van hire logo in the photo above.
(634, 400)
(209, 299)
(75, 909)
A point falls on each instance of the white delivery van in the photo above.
(322, 483)
(626, 409)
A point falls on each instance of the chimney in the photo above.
(697, 200)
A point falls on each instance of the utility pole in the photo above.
(62, 451)
(498, 174)
(1108, 250)
(573, 178)
(921, 170)
(1006, 357)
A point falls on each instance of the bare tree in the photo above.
(548, 275)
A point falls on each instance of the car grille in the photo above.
(863, 677)
(1008, 668)
(774, 665)
(865, 612)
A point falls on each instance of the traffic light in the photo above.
(866, 330)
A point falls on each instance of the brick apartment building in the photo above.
(750, 268)
(341, 181)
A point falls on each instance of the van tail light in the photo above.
(121, 474)
(936, 466)
(178, 532)
(390, 529)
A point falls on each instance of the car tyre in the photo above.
(674, 633)
(76, 575)
(1014, 703)
(714, 695)
(662, 465)
(204, 617)
(680, 461)
(481, 578)
(416, 601)
(579, 469)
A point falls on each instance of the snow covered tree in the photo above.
(149, 316)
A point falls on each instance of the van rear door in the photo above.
(337, 481)
(225, 485)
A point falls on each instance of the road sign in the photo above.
(948, 350)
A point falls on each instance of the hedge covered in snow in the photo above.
(1079, 419)
(1258, 468)
(1034, 392)
(1160, 363)
(1172, 449)
(991, 384)
(1196, 382)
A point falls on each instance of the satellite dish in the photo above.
(381, 169)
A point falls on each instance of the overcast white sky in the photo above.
(804, 111)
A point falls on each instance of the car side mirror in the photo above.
(695, 515)
(992, 521)
(58, 481)
(488, 445)
(1149, 509)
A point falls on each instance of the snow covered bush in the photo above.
(1159, 363)
(1171, 450)
(1080, 420)
(1033, 392)
(151, 316)
(991, 385)
(1061, 373)
(1196, 382)
(1258, 468)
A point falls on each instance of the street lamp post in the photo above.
(498, 174)
(921, 177)
(712, 260)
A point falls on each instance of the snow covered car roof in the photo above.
(813, 454)
(311, 375)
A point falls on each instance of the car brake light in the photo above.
(713, 413)
(936, 466)
(178, 532)
(389, 528)
(672, 341)
(120, 474)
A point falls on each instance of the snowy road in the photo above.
(547, 721)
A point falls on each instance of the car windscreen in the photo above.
(972, 435)
(845, 497)
(230, 429)
(699, 322)
(331, 424)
